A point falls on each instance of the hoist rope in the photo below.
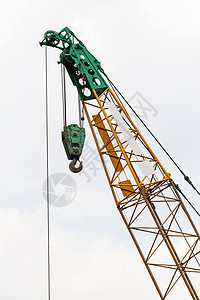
(79, 110)
(47, 180)
(64, 101)
(151, 133)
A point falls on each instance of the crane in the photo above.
(145, 194)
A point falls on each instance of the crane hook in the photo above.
(73, 168)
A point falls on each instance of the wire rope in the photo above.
(47, 180)
(64, 101)
(79, 110)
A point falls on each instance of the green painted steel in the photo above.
(73, 138)
(83, 68)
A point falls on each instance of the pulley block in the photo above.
(73, 138)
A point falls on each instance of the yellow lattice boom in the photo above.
(146, 197)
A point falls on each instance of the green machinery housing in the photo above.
(73, 138)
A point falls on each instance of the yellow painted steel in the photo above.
(148, 203)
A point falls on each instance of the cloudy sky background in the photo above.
(147, 46)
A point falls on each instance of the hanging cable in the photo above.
(47, 181)
(184, 175)
(79, 110)
(82, 116)
(64, 102)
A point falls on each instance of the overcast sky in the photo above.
(151, 47)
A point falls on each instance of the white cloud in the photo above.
(177, 17)
(99, 268)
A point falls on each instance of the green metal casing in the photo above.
(83, 68)
(73, 138)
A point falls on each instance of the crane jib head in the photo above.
(83, 68)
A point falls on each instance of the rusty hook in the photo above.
(73, 168)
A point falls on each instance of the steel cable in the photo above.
(64, 101)
(47, 180)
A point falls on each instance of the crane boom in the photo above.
(144, 192)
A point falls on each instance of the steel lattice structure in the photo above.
(149, 205)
